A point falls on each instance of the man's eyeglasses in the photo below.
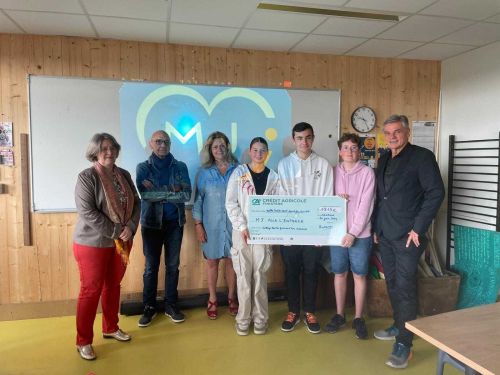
(159, 142)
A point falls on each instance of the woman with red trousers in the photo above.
(108, 215)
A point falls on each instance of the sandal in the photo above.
(233, 306)
(211, 312)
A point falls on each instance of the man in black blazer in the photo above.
(409, 193)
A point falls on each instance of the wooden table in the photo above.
(472, 336)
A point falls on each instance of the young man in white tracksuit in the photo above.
(305, 173)
(250, 262)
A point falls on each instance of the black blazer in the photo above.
(414, 196)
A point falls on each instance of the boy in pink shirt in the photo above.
(355, 182)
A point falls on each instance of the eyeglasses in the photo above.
(350, 148)
(159, 142)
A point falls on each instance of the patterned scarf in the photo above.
(120, 202)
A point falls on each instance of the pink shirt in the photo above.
(359, 185)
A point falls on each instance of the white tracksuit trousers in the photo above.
(251, 262)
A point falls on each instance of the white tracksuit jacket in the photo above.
(313, 176)
(250, 262)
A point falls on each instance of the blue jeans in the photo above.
(358, 256)
(170, 237)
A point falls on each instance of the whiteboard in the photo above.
(66, 112)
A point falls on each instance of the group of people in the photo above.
(393, 207)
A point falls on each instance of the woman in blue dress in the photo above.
(213, 227)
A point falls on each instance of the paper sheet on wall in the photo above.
(6, 134)
(424, 134)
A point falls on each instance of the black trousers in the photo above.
(303, 260)
(400, 268)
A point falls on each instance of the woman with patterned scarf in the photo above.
(108, 215)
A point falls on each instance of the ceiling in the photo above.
(428, 29)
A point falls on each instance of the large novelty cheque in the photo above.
(296, 220)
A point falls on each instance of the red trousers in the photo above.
(101, 272)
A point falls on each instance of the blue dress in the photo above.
(210, 208)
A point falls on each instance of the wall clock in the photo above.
(363, 119)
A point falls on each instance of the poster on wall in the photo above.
(6, 134)
(368, 150)
(381, 143)
(7, 157)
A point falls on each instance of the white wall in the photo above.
(470, 107)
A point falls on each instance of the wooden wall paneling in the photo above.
(129, 64)
(216, 63)
(241, 67)
(4, 253)
(76, 57)
(113, 59)
(36, 55)
(428, 89)
(132, 282)
(72, 269)
(15, 273)
(276, 65)
(148, 62)
(199, 66)
(98, 58)
(44, 249)
(257, 68)
(398, 88)
(52, 49)
(383, 78)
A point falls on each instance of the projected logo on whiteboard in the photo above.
(190, 113)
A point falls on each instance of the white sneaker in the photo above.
(241, 329)
(260, 328)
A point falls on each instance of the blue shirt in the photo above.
(210, 208)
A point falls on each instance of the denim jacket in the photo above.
(178, 191)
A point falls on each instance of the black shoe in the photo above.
(359, 325)
(174, 313)
(147, 317)
(336, 323)
(312, 323)
(290, 322)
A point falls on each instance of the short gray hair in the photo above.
(95, 144)
(398, 118)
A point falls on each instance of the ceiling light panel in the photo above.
(328, 12)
